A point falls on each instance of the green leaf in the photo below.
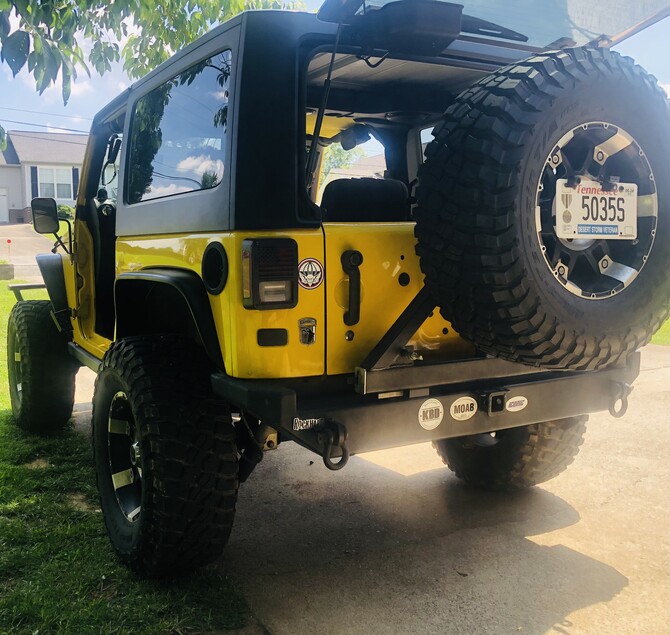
(15, 50)
(67, 84)
(4, 24)
(3, 139)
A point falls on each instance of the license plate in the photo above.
(588, 211)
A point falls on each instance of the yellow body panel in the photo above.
(80, 287)
(388, 251)
(236, 326)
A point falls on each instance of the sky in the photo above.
(21, 108)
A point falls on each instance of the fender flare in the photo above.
(191, 288)
(51, 268)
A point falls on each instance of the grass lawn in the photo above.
(58, 573)
(662, 335)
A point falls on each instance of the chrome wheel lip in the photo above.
(612, 276)
(124, 457)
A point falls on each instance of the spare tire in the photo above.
(508, 155)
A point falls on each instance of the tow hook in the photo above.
(619, 392)
(335, 434)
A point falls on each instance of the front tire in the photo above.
(165, 456)
(41, 372)
(516, 458)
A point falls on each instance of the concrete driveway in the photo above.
(396, 544)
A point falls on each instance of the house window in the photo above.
(55, 183)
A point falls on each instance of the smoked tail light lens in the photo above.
(269, 273)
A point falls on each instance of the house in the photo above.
(38, 164)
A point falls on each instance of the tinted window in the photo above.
(177, 141)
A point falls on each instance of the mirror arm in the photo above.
(59, 240)
(69, 235)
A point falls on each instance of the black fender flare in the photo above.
(191, 288)
(51, 268)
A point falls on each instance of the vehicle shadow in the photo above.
(368, 550)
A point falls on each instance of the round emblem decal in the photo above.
(463, 408)
(310, 273)
(514, 404)
(430, 414)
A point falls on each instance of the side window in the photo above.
(178, 132)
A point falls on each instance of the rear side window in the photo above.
(178, 133)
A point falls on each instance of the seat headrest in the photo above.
(365, 200)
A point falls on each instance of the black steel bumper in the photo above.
(386, 412)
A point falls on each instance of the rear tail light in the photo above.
(270, 273)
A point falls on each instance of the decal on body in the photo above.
(310, 273)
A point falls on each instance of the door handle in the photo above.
(351, 261)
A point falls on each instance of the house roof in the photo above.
(43, 148)
(8, 155)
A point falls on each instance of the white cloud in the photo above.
(200, 165)
(666, 88)
(80, 87)
(220, 95)
(168, 190)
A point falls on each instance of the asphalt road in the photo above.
(395, 544)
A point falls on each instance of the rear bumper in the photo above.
(394, 418)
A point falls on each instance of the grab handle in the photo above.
(351, 261)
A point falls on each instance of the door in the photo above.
(366, 218)
(4, 206)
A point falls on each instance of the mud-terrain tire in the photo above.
(486, 217)
(170, 445)
(515, 458)
(41, 373)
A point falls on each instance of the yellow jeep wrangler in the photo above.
(385, 224)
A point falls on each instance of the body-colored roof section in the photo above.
(43, 147)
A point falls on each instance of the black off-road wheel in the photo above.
(41, 373)
(493, 195)
(515, 458)
(165, 456)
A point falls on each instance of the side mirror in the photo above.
(113, 150)
(45, 215)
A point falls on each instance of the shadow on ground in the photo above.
(367, 550)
